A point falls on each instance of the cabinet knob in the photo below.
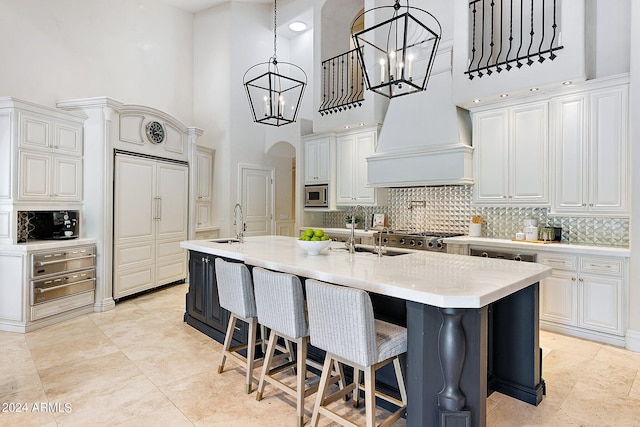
(581, 279)
(590, 204)
(584, 204)
(573, 279)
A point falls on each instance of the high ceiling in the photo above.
(198, 5)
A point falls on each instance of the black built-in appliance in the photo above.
(55, 225)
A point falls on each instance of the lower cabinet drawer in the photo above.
(608, 266)
(61, 305)
(561, 261)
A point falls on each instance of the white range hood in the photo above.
(425, 140)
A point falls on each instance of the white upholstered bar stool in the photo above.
(280, 305)
(341, 322)
(235, 291)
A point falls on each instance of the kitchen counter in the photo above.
(463, 314)
(531, 246)
(437, 279)
(37, 245)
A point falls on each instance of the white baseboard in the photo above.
(105, 305)
(633, 340)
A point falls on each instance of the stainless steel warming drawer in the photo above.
(61, 286)
(61, 275)
(63, 260)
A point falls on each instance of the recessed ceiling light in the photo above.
(475, 101)
(567, 83)
(297, 26)
(504, 95)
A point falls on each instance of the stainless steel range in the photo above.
(423, 240)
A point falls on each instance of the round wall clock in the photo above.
(155, 132)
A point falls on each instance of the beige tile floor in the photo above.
(140, 365)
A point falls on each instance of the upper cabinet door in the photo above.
(608, 166)
(491, 155)
(569, 119)
(35, 131)
(317, 156)
(345, 180)
(511, 155)
(590, 153)
(68, 138)
(204, 174)
(529, 154)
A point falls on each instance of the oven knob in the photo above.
(439, 243)
(385, 240)
(484, 255)
(412, 242)
(401, 241)
(517, 258)
(420, 243)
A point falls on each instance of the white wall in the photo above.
(139, 52)
(633, 334)
(229, 39)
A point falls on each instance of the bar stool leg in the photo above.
(400, 379)
(356, 390)
(322, 388)
(227, 341)
(251, 352)
(301, 376)
(370, 395)
(268, 359)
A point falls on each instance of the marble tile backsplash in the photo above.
(449, 209)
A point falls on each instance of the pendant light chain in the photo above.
(275, 27)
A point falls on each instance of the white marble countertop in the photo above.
(37, 245)
(534, 247)
(437, 279)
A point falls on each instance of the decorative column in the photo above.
(452, 351)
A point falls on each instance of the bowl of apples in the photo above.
(313, 241)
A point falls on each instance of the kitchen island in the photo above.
(472, 323)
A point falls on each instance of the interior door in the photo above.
(257, 200)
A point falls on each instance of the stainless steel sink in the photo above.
(227, 240)
(373, 251)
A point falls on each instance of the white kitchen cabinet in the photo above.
(352, 150)
(41, 161)
(511, 152)
(150, 221)
(317, 159)
(50, 165)
(49, 177)
(591, 152)
(203, 190)
(585, 293)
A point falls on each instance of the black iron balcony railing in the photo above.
(342, 83)
(505, 33)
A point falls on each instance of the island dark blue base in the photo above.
(457, 357)
(487, 349)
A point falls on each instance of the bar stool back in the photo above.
(341, 322)
(280, 305)
(235, 291)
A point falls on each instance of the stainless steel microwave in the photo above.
(316, 196)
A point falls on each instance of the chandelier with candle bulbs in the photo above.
(275, 97)
(397, 48)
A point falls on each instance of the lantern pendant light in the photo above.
(275, 98)
(397, 51)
